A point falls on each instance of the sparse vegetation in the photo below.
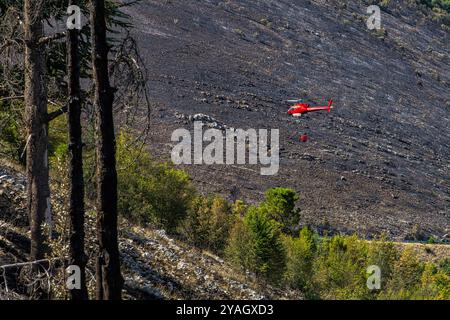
(150, 192)
(331, 268)
(11, 126)
(257, 239)
(208, 223)
(439, 7)
(280, 205)
(300, 253)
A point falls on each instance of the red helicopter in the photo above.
(301, 108)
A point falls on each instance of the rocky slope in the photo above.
(378, 163)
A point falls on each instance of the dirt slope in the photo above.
(378, 163)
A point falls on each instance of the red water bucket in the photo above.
(304, 138)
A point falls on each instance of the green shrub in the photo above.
(383, 254)
(279, 204)
(239, 208)
(11, 131)
(300, 255)
(441, 7)
(256, 245)
(341, 268)
(406, 277)
(431, 240)
(435, 284)
(208, 223)
(239, 250)
(150, 192)
(440, 4)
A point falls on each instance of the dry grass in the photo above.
(428, 252)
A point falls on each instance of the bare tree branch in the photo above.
(22, 264)
(53, 37)
(11, 98)
(129, 77)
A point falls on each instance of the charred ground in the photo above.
(378, 163)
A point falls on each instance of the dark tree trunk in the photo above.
(76, 208)
(109, 279)
(38, 190)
